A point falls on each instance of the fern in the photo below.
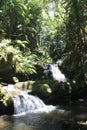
(27, 64)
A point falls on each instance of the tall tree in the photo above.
(76, 38)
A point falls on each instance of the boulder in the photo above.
(7, 62)
(10, 68)
(6, 103)
(51, 91)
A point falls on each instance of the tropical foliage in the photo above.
(45, 31)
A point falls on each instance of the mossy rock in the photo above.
(7, 57)
(6, 103)
(41, 86)
(8, 62)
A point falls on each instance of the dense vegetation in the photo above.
(44, 31)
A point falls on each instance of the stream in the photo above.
(64, 117)
(30, 112)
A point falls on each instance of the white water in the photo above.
(25, 103)
(56, 73)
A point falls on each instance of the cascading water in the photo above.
(25, 103)
(53, 71)
(57, 74)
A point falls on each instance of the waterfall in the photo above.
(53, 71)
(57, 74)
(25, 103)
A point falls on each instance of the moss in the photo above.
(4, 96)
(43, 86)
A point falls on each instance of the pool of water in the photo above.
(65, 117)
